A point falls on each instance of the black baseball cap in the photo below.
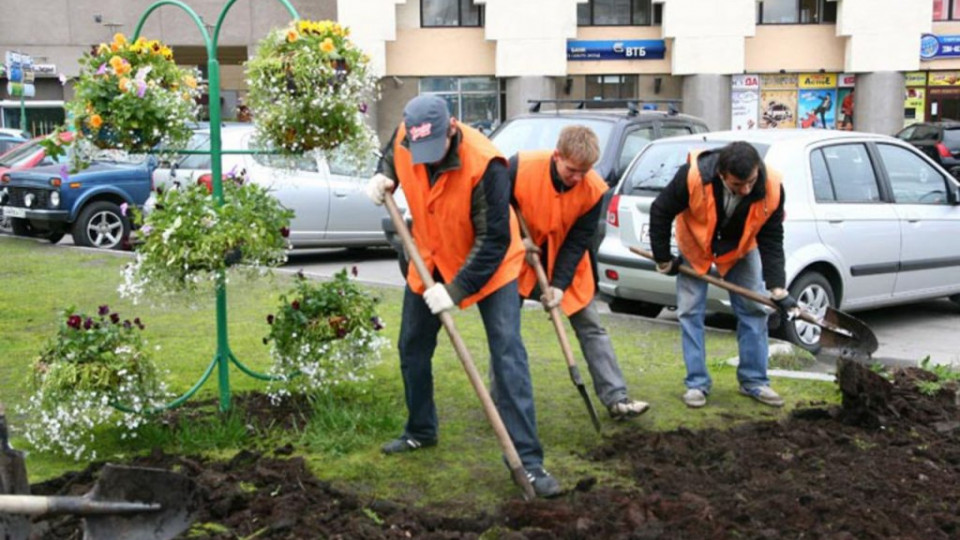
(426, 119)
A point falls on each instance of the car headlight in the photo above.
(54, 199)
(29, 199)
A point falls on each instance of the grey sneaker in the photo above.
(406, 444)
(695, 398)
(763, 394)
(626, 407)
(544, 484)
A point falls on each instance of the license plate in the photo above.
(645, 235)
(10, 211)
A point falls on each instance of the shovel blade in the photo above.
(852, 338)
(177, 495)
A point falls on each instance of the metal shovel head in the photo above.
(177, 495)
(846, 336)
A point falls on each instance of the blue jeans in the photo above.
(751, 326)
(508, 361)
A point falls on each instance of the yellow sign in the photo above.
(784, 81)
(916, 78)
(944, 78)
(818, 80)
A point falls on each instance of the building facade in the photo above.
(870, 65)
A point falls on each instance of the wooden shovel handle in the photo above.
(506, 444)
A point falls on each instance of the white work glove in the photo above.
(556, 296)
(438, 299)
(377, 188)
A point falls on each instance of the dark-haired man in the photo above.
(729, 213)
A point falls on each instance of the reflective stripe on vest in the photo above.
(550, 216)
(697, 224)
(442, 228)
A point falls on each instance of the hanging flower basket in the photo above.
(132, 96)
(309, 86)
(188, 239)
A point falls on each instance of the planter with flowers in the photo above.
(132, 97)
(327, 333)
(93, 362)
(308, 90)
(189, 239)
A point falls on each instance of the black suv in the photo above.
(939, 140)
(622, 132)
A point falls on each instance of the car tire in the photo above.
(635, 307)
(814, 293)
(955, 299)
(101, 225)
(54, 237)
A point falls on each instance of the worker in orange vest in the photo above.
(729, 214)
(458, 193)
(560, 196)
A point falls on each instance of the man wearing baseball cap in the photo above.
(458, 192)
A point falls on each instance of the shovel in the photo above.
(132, 503)
(841, 335)
(509, 451)
(558, 326)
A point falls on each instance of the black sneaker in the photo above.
(544, 485)
(406, 444)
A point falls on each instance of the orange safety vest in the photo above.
(442, 228)
(697, 224)
(550, 215)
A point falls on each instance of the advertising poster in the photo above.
(817, 108)
(845, 97)
(916, 78)
(914, 105)
(781, 81)
(944, 78)
(818, 80)
(744, 109)
(778, 108)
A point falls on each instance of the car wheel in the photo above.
(54, 237)
(635, 307)
(956, 300)
(101, 225)
(815, 294)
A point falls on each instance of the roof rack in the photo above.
(634, 106)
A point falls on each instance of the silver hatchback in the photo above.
(870, 222)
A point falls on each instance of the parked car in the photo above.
(326, 193)
(622, 132)
(44, 202)
(30, 154)
(9, 142)
(871, 221)
(939, 140)
(13, 132)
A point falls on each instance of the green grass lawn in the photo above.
(341, 441)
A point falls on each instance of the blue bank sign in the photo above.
(637, 49)
(934, 46)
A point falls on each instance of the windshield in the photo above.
(19, 154)
(658, 164)
(541, 133)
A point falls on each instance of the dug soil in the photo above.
(886, 464)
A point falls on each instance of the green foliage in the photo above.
(132, 96)
(308, 83)
(347, 420)
(944, 375)
(189, 238)
(92, 362)
(327, 333)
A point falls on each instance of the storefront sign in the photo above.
(944, 78)
(19, 68)
(916, 78)
(45, 69)
(934, 46)
(745, 82)
(785, 81)
(744, 109)
(846, 80)
(818, 80)
(641, 49)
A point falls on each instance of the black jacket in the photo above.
(675, 198)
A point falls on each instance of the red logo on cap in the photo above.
(420, 132)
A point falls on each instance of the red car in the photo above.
(29, 154)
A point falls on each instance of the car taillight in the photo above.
(5, 179)
(207, 181)
(943, 150)
(613, 211)
(611, 274)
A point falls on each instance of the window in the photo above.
(946, 10)
(822, 187)
(924, 133)
(199, 141)
(611, 86)
(914, 181)
(907, 133)
(851, 173)
(796, 11)
(619, 13)
(440, 13)
(541, 133)
(632, 144)
(674, 131)
(475, 101)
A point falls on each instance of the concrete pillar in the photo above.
(878, 105)
(708, 97)
(520, 89)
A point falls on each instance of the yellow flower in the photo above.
(119, 65)
(95, 121)
(114, 47)
(327, 46)
(123, 84)
(292, 36)
(167, 52)
(190, 81)
(119, 39)
(103, 49)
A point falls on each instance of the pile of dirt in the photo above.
(886, 464)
